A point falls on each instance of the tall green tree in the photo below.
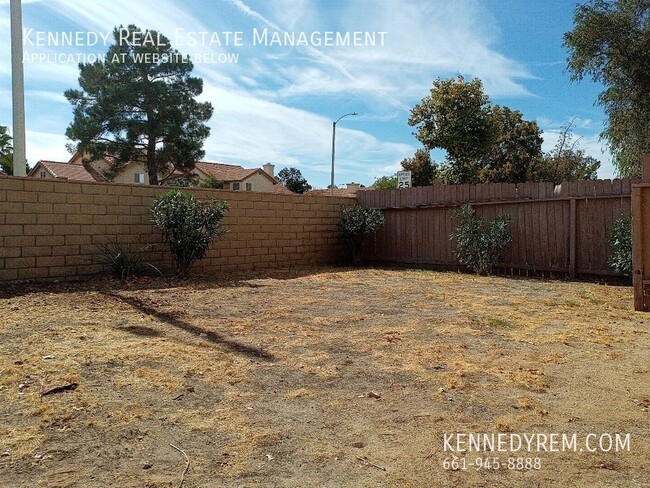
(484, 142)
(6, 151)
(456, 116)
(139, 105)
(293, 179)
(610, 43)
(516, 150)
(423, 170)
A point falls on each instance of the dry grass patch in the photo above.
(313, 378)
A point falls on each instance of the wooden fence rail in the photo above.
(555, 229)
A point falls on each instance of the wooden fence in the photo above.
(555, 229)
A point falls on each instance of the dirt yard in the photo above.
(323, 378)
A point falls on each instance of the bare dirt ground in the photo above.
(322, 378)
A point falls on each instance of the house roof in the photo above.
(281, 189)
(229, 172)
(67, 171)
(224, 172)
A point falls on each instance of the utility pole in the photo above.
(18, 88)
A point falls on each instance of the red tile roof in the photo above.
(280, 188)
(67, 171)
(225, 172)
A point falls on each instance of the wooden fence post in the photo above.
(640, 228)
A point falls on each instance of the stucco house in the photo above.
(234, 177)
(239, 178)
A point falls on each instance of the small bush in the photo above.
(188, 226)
(479, 243)
(620, 240)
(120, 262)
(355, 224)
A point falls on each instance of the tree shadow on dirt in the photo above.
(172, 319)
(102, 283)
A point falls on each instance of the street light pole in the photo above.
(334, 147)
(18, 88)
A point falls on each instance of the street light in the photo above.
(334, 146)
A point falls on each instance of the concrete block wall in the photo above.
(54, 229)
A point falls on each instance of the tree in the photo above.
(6, 151)
(610, 43)
(423, 170)
(138, 105)
(484, 143)
(293, 180)
(566, 162)
(456, 117)
(516, 149)
(385, 183)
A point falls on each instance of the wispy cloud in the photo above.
(277, 103)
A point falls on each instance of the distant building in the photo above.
(350, 190)
(234, 177)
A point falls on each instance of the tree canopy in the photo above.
(484, 142)
(610, 43)
(385, 182)
(566, 162)
(293, 179)
(423, 170)
(139, 105)
(6, 151)
(455, 117)
(516, 148)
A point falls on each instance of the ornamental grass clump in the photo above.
(188, 225)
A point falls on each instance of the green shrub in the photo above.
(188, 226)
(355, 224)
(620, 240)
(479, 243)
(211, 182)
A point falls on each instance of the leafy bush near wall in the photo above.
(479, 243)
(188, 225)
(620, 240)
(356, 224)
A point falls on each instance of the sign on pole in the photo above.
(403, 179)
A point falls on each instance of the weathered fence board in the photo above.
(555, 229)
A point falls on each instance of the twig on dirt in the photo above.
(59, 389)
(187, 465)
(429, 456)
(179, 396)
(365, 460)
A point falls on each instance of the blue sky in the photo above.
(276, 102)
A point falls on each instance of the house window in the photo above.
(249, 187)
(138, 177)
(235, 186)
(42, 174)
